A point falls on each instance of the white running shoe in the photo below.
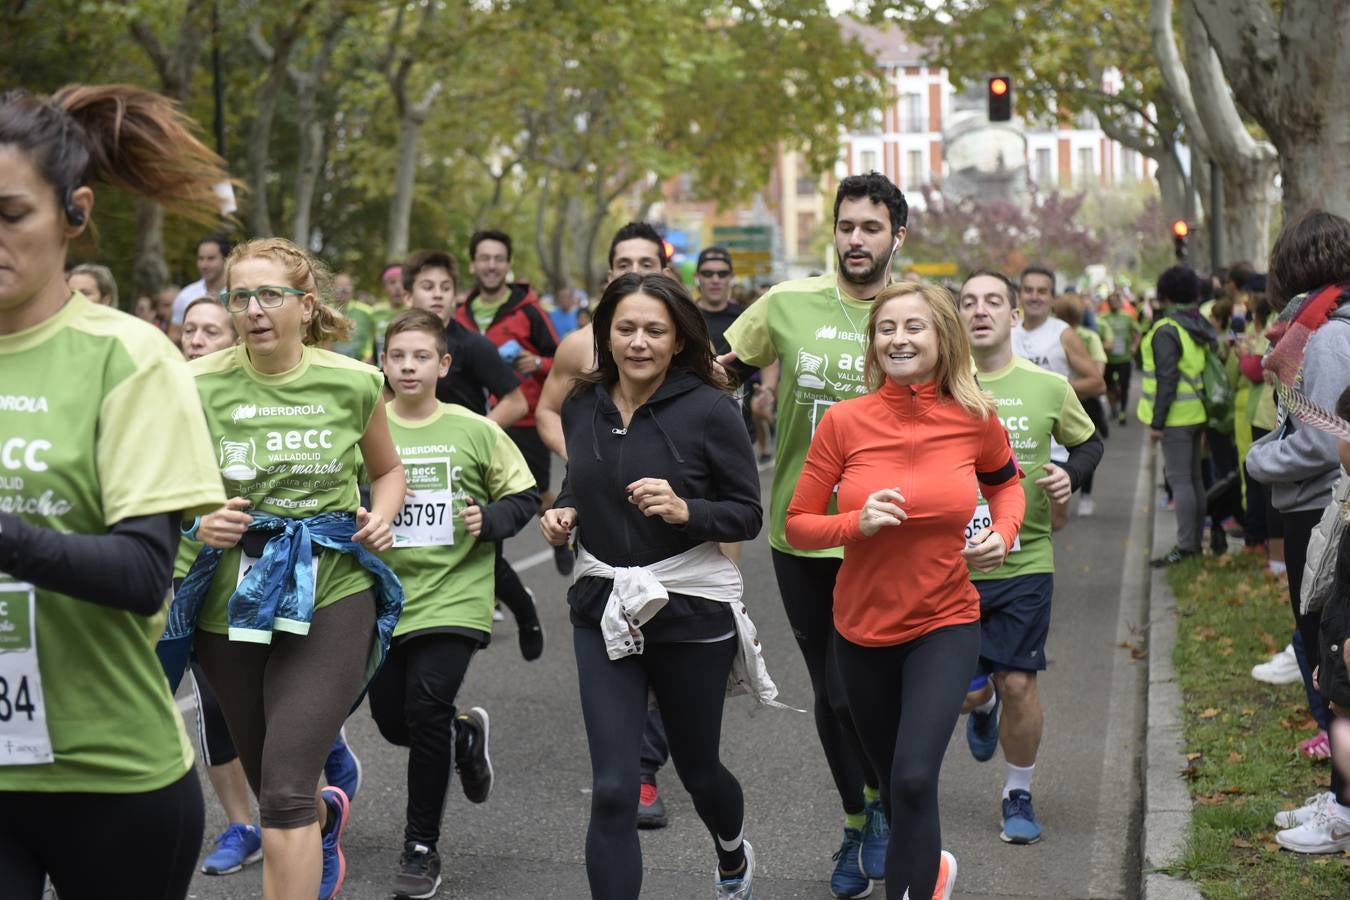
(1325, 832)
(738, 888)
(1292, 818)
(1282, 668)
(1085, 505)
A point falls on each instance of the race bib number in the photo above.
(24, 739)
(428, 515)
(982, 520)
(246, 564)
(1118, 345)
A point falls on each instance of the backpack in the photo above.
(1217, 393)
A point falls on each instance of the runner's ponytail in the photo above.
(116, 134)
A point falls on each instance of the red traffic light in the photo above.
(1000, 98)
(1180, 228)
(998, 86)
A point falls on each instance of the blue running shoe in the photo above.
(848, 879)
(982, 732)
(236, 847)
(876, 835)
(1019, 819)
(334, 863)
(342, 769)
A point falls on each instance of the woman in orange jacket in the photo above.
(912, 461)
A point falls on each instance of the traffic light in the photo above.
(1000, 98)
(1180, 231)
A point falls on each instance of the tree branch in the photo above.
(1175, 77)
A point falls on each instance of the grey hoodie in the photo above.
(1297, 461)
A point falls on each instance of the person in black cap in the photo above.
(713, 276)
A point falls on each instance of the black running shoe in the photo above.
(419, 872)
(1172, 557)
(471, 754)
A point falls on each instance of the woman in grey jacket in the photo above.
(1310, 283)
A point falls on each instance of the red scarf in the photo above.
(1289, 337)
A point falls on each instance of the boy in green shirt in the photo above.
(455, 460)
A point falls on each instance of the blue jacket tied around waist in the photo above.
(278, 593)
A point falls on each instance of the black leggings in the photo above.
(413, 702)
(1118, 381)
(217, 747)
(1298, 529)
(690, 683)
(806, 584)
(906, 700)
(286, 701)
(103, 846)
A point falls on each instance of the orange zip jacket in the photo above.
(907, 579)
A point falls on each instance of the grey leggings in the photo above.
(285, 702)
(1181, 464)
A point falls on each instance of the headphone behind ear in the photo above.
(74, 215)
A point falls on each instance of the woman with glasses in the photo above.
(95, 767)
(293, 610)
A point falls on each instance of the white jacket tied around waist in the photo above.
(640, 592)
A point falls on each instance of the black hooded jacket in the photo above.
(692, 435)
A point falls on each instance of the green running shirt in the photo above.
(819, 334)
(465, 455)
(1123, 330)
(287, 442)
(1035, 404)
(99, 423)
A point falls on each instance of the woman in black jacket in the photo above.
(660, 469)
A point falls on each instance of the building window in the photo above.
(1129, 164)
(806, 187)
(1044, 176)
(913, 168)
(869, 161)
(911, 113)
(1087, 168)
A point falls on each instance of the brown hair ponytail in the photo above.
(306, 273)
(116, 134)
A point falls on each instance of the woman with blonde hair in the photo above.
(95, 282)
(909, 460)
(291, 609)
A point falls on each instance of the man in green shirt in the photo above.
(361, 344)
(1035, 405)
(817, 329)
(1121, 345)
(468, 486)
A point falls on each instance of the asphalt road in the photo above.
(527, 840)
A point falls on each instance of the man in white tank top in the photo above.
(1051, 344)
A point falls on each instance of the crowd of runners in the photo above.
(325, 529)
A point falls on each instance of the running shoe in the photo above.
(1292, 818)
(471, 758)
(334, 863)
(419, 872)
(1124, 419)
(237, 846)
(737, 888)
(497, 614)
(982, 732)
(1172, 557)
(1282, 668)
(651, 808)
(1085, 505)
(342, 769)
(564, 560)
(946, 880)
(531, 634)
(876, 836)
(1326, 832)
(1019, 819)
(848, 879)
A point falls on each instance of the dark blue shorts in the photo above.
(1015, 622)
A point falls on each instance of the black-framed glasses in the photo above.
(714, 273)
(269, 296)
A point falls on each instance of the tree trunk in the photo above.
(310, 164)
(259, 153)
(149, 273)
(1313, 170)
(405, 174)
(1175, 188)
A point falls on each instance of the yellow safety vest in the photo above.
(1188, 408)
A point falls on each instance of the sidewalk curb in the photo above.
(1167, 799)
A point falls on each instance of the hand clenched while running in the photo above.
(223, 528)
(1055, 483)
(372, 531)
(655, 497)
(986, 550)
(556, 524)
(880, 510)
